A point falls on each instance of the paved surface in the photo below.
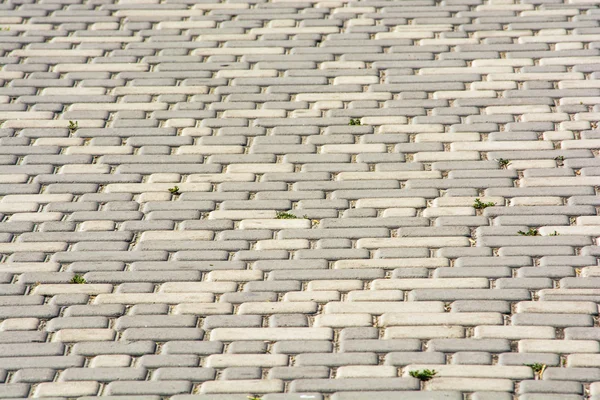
(246, 107)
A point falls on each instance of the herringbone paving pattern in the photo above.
(299, 200)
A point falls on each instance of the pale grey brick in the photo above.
(108, 310)
(288, 320)
(408, 395)
(151, 321)
(456, 345)
(54, 362)
(491, 396)
(334, 360)
(165, 388)
(239, 373)
(325, 274)
(34, 375)
(528, 358)
(359, 384)
(291, 373)
(301, 347)
(481, 306)
(472, 357)
(570, 374)
(59, 323)
(290, 396)
(380, 346)
(157, 361)
(14, 390)
(140, 335)
(551, 387)
(189, 374)
(147, 309)
(103, 374)
(469, 294)
(96, 348)
(407, 358)
(193, 347)
(247, 347)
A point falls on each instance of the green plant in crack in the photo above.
(354, 121)
(73, 126)
(479, 205)
(174, 190)
(254, 398)
(554, 234)
(537, 369)
(424, 374)
(559, 160)
(530, 232)
(285, 215)
(78, 279)
(503, 163)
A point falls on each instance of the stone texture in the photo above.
(299, 199)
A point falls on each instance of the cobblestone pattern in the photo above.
(376, 123)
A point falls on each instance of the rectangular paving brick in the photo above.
(192, 193)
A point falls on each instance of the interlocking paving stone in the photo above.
(276, 199)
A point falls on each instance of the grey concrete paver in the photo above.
(293, 200)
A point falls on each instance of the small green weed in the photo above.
(254, 398)
(530, 232)
(537, 368)
(5, 28)
(78, 279)
(554, 234)
(174, 190)
(503, 163)
(73, 126)
(479, 205)
(559, 160)
(285, 215)
(423, 375)
(354, 121)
